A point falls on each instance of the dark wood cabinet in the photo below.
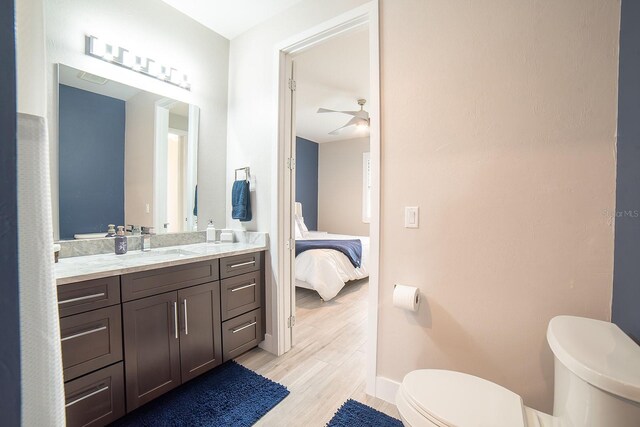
(241, 333)
(95, 399)
(200, 342)
(151, 347)
(240, 294)
(91, 341)
(129, 339)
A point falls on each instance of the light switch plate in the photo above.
(411, 216)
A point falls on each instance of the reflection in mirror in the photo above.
(126, 157)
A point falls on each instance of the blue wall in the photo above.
(9, 303)
(91, 162)
(626, 274)
(307, 180)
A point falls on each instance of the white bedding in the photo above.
(326, 270)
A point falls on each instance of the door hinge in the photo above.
(292, 321)
(290, 244)
(292, 85)
(291, 163)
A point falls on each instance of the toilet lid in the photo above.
(451, 398)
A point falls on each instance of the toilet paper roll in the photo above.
(406, 297)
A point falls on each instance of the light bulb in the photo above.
(127, 58)
(96, 46)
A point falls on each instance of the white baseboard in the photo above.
(386, 389)
(268, 344)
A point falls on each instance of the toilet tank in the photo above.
(597, 373)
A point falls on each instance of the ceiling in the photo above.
(230, 18)
(332, 75)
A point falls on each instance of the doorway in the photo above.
(364, 16)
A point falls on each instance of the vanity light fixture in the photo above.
(118, 55)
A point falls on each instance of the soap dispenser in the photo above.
(121, 241)
(112, 230)
(211, 232)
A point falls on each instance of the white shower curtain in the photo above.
(41, 357)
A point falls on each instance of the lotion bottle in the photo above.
(211, 232)
(121, 241)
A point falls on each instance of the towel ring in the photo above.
(247, 174)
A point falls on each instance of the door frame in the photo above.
(367, 14)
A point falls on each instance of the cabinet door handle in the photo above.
(81, 334)
(242, 264)
(101, 294)
(243, 327)
(186, 318)
(175, 318)
(86, 396)
(239, 288)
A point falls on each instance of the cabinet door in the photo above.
(151, 348)
(200, 343)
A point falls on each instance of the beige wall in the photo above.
(340, 186)
(499, 121)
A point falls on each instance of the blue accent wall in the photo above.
(307, 180)
(626, 274)
(9, 302)
(91, 162)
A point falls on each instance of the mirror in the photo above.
(125, 157)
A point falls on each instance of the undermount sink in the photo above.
(160, 252)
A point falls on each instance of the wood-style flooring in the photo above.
(326, 365)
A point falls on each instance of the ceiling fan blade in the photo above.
(351, 122)
(326, 110)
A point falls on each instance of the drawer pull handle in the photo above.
(81, 334)
(80, 399)
(175, 317)
(101, 294)
(243, 327)
(239, 288)
(242, 264)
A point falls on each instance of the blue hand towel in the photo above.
(195, 202)
(241, 201)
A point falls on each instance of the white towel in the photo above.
(41, 355)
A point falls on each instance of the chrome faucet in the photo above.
(146, 238)
(133, 229)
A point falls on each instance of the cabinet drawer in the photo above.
(91, 341)
(95, 399)
(241, 294)
(239, 264)
(79, 297)
(153, 282)
(241, 334)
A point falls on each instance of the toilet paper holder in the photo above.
(407, 298)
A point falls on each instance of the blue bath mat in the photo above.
(356, 414)
(229, 395)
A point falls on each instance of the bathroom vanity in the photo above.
(151, 323)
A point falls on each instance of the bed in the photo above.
(326, 271)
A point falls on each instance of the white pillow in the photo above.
(298, 232)
(301, 224)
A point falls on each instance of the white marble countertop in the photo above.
(77, 269)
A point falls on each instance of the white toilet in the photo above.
(597, 384)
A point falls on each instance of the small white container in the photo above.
(226, 236)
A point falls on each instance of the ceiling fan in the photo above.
(360, 118)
